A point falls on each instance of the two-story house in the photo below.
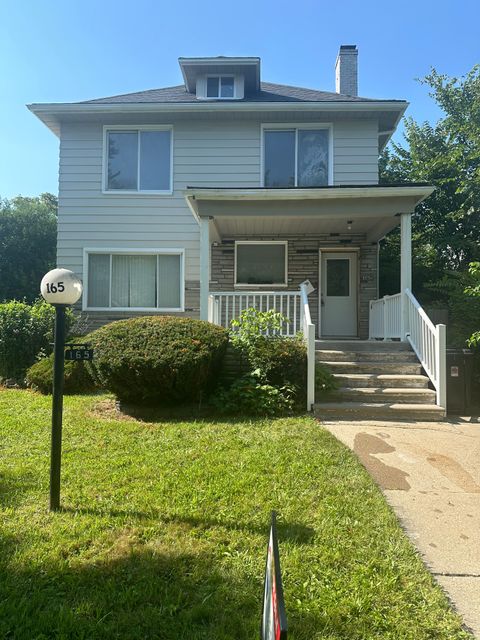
(227, 192)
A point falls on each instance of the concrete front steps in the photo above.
(382, 380)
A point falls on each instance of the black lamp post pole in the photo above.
(57, 407)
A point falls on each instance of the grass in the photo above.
(164, 527)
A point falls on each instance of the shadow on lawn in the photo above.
(141, 594)
(287, 531)
(13, 487)
(182, 413)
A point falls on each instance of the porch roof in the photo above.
(372, 210)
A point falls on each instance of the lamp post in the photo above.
(59, 287)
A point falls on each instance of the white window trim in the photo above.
(260, 286)
(295, 126)
(133, 252)
(220, 76)
(138, 128)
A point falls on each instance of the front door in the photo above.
(338, 294)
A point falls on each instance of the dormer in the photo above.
(221, 78)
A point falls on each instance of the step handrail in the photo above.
(308, 330)
(429, 344)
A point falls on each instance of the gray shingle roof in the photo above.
(270, 92)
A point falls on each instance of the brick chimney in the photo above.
(346, 74)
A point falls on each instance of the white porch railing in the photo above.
(429, 343)
(225, 306)
(386, 317)
(427, 340)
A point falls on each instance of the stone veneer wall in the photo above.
(303, 258)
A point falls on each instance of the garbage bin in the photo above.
(459, 380)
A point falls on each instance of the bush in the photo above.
(278, 360)
(25, 331)
(77, 379)
(283, 361)
(157, 360)
(325, 382)
(252, 396)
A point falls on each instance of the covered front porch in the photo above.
(258, 245)
(312, 255)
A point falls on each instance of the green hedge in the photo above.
(77, 379)
(25, 331)
(158, 360)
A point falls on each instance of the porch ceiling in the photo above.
(371, 210)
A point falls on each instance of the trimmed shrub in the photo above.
(25, 332)
(77, 379)
(157, 360)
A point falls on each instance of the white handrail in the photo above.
(308, 330)
(426, 339)
(429, 343)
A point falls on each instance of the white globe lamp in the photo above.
(61, 286)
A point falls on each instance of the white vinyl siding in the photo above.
(216, 153)
(205, 154)
(355, 152)
(134, 280)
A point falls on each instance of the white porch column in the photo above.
(405, 267)
(204, 266)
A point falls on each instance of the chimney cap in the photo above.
(351, 47)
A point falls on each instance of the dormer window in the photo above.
(220, 87)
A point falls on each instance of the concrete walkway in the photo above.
(430, 475)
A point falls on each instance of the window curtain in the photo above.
(169, 281)
(98, 280)
(134, 281)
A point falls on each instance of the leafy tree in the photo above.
(28, 240)
(446, 227)
(474, 291)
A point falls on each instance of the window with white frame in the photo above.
(135, 280)
(296, 157)
(261, 263)
(220, 87)
(138, 159)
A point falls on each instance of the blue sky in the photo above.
(69, 50)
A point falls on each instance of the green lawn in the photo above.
(164, 527)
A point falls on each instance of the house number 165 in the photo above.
(53, 288)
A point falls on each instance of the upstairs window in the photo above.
(138, 160)
(296, 157)
(220, 87)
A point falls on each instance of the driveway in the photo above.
(430, 475)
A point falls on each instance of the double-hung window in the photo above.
(220, 87)
(142, 280)
(296, 156)
(261, 263)
(138, 159)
